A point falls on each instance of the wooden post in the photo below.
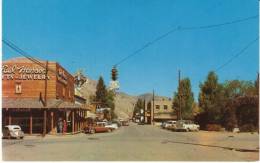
(9, 117)
(52, 122)
(31, 122)
(44, 121)
(84, 116)
(77, 120)
(81, 120)
(72, 120)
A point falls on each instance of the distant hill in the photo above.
(124, 103)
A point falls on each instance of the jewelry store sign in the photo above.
(22, 72)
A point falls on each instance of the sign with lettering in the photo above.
(23, 72)
(62, 77)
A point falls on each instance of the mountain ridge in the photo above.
(124, 103)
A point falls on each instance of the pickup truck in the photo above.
(186, 125)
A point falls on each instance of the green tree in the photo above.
(187, 99)
(101, 92)
(106, 98)
(257, 85)
(138, 106)
(110, 98)
(211, 98)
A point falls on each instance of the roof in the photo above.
(35, 103)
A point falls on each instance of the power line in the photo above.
(219, 25)
(179, 28)
(20, 51)
(147, 45)
(238, 54)
(23, 53)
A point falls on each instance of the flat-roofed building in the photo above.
(162, 111)
(36, 100)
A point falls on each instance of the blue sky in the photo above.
(96, 34)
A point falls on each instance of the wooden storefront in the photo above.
(37, 99)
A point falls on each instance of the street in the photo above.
(136, 142)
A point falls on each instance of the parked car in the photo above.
(13, 131)
(111, 125)
(119, 124)
(125, 123)
(187, 125)
(96, 128)
(171, 125)
(168, 124)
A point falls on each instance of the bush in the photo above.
(248, 128)
(213, 127)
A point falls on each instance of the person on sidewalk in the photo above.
(60, 126)
(64, 127)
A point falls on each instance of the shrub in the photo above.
(247, 128)
(213, 127)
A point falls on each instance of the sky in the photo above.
(94, 35)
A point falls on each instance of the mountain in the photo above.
(124, 103)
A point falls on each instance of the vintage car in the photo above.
(13, 131)
(186, 125)
(96, 128)
(125, 123)
(111, 125)
(171, 125)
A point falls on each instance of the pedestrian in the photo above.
(64, 126)
(60, 126)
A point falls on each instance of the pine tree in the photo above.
(101, 93)
(106, 99)
(187, 99)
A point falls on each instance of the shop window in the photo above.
(18, 88)
(157, 106)
(165, 107)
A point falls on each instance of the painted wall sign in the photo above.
(22, 72)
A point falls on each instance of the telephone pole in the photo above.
(180, 95)
(153, 107)
(45, 100)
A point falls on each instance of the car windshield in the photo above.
(16, 128)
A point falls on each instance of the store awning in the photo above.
(37, 104)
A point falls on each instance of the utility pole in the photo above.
(153, 107)
(45, 101)
(180, 95)
(144, 114)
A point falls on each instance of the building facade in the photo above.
(37, 96)
(159, 110)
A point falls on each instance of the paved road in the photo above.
(144, 143)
